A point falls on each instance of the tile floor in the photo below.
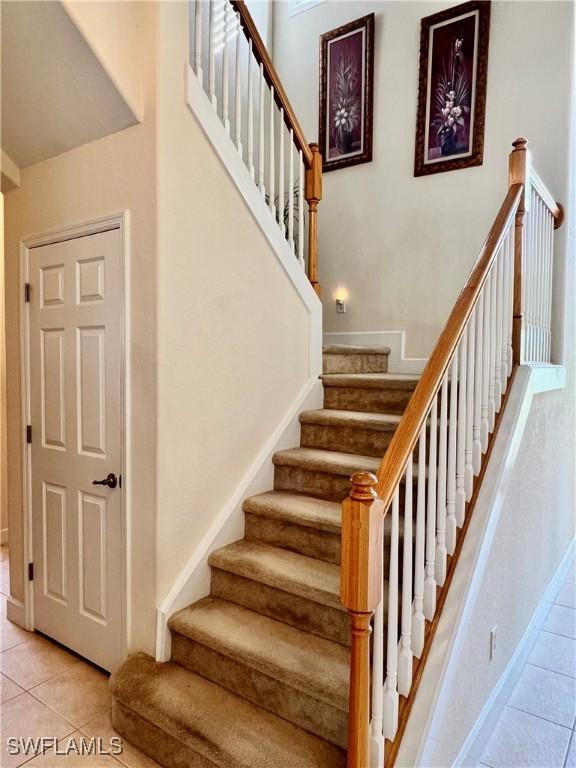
(47, 691)
(536, 727)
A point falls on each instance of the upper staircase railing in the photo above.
(429, 477)
(234, 68)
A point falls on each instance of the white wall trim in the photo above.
(22, 613)
(193, 582)
(529, 380)
(202, 109)
(398, 362)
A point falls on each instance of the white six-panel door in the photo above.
(76, 374)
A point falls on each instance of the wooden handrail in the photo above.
(271, 76)
(404, 440)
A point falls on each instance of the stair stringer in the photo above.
(441, 668)
(193, 582)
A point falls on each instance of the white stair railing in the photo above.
(247, 95)
(430, 472)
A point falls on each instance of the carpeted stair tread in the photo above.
(317, 667)
(406, 381)
(331, 462)
(290, 572)
(201, 717)
(351, 349)
(297, 508)
(359, 419)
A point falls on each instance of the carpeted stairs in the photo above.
(259, 669)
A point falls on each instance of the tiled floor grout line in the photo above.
(539, 717)
(570, 677)
(568, 750)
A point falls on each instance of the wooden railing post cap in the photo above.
(363, 486)
(520, 143)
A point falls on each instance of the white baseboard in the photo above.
(193, 582)
(3, 536)
(15, 612)
(396, 340)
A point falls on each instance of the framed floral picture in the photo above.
(452, 88)
(346, 94)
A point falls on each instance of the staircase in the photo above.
(259, 672)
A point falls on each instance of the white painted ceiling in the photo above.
(55, 94)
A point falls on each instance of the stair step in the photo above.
(381, 393)
(318, 472)
(359, 432)
(296, 522)
(298, 590)
(344, 358)
(291, 673)
(302, 524)
(180, 719)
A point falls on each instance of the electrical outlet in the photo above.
(493, 641)
(340, 306)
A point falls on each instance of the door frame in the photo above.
(119, 221)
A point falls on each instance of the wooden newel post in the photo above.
(360, 592)
(519, 173)
(313, 194)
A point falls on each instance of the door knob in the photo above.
(111, 481)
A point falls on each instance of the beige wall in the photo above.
(107, 176)
(115, 33)
(233, 334)
(403, 246)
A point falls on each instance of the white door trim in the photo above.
(118, 221)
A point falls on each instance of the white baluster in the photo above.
(390, 708)
(272, 168)
(539, 283)
(492, 358)
(250, 112)
(441, 552)
(484, 422)
(530, 278)
(198, 42)
(550, 255)
(225, 73)
(281, 176)
(461, 432)
(478, 353)
(291, 191)
(261, 186)
(535, 280)
(505, 256)
(497, 269)
(543, 284)
(238, 89)
(430, 578)
(511, 264)
(405, 651)
(376, 733)
(468, 468)
(301, 208)
(452, 446)
(418, 620)
(212, 56)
